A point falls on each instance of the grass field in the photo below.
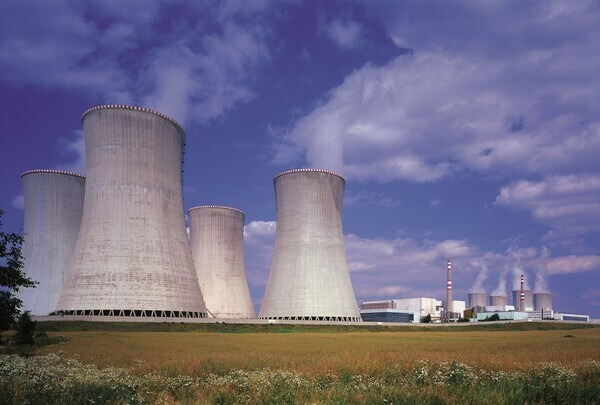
(225, 363)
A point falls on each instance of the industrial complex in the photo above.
(114, 243)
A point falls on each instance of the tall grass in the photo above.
(54, 379)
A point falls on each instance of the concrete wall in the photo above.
(132, 252)
(309, 274)
(542, 301)
(477, 299)
(53, 207)
(217, 243)
(498, 300)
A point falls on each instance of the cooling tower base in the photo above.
(315, 318)
(140, 313)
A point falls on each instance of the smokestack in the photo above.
(449, 303)
(522, 300)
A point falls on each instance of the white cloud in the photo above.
(196, 72)
(345, 34)
(560, 201)
(18, 202)
(465, 99)
(74, 149)
(573, 264)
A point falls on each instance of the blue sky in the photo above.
(468, 130)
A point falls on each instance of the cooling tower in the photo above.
(217, 242)
(132, 256)
(477, 300)
(498, 300)
(528, 299)
(542, 301)
(309, 277)
(53, 206)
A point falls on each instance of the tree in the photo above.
(426, 319)
(12, 278)
(25, 329)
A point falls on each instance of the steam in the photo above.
(517, 270)
(541, 284)
(501, 289)
(481, 277)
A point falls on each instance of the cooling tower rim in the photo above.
(53, 172)
(503, 296)
(223, 207)
(131, 107)
(309, 171)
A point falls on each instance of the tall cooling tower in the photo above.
(132, 256)
(498, 300)
(53, 206)
(309, 277)
(542, 301)
(516, 294)
(477, 300)
(217, 242)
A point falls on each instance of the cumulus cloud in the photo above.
(18, 202)
(560, 201)
(465, 99)
(198, 69)
(345, 34)
(73, 149)
(573, 264)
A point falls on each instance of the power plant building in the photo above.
(132, 256)
(53, 208)
(309, 278)
(217, 243)
(420, 306)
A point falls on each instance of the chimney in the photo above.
(449, 303)
(522, 302)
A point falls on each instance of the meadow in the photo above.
(167, 363)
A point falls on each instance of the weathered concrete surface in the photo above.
(217, 243)
(477, 299)
(132, 252)
(53, 207)
(309, 274)
(542, 301)
(498, 300)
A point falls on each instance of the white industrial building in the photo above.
(420, 306)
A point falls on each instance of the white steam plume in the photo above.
(501, 289)
(481, 277)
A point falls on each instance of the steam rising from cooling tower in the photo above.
(501, 289)
(217, 243)
(53, 207)
(309, 277)
(132, 255)
(481, 277)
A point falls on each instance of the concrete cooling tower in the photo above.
(477, 300)
(132, 256)
(53, 207)
(309, 277)
(498, 300)
(542, 301)
(217, 242)
(516, 294)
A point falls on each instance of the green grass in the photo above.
(57, 326)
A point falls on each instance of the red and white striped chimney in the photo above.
(449, 303)
(522, 301)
